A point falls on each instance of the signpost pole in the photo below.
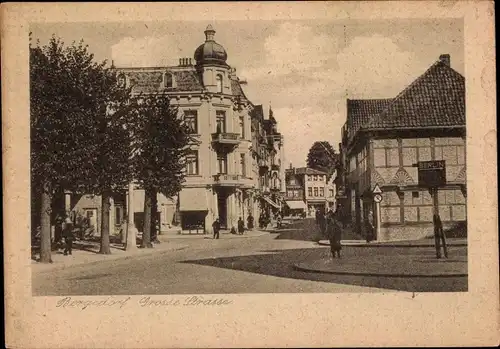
(377, 221)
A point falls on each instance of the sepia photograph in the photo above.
(250, 156)
(250, 174)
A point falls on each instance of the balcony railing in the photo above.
(275, 167)
(232, 180)
(263, 163)
(226, 138)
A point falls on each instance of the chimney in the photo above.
(180, 61)
(445, 58)
(190, 62)
(291, 166)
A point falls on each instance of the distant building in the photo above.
(308, 189)
(381, 141)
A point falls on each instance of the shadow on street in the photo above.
(279, 263)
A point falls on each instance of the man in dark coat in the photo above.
(241, 226)
(68, 236)
(216, 228)
(334, 232)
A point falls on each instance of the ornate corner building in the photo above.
(235, 170)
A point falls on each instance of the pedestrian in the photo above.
(68, 236)
(278, 221)
(250, 222)
(241, 226)
(123, 230)
(334, 233)
(370, 227)
(58, 231)
(439, 236)
(216, 228)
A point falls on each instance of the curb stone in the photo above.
(111, 257)
(299, 267)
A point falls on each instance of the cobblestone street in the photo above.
(260, 264)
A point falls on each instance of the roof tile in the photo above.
(436, 98)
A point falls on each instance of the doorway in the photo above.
(91, 217)
(222, 207)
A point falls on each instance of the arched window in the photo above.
(168, 80)
(218, 80)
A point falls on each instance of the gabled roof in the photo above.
(435, 99)
(150, 80)
(360, 111)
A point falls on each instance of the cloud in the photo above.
(147, 51)
(310, 101)
(293, 49)
(302, 127)
(374, 66)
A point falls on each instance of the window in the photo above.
(221, 121)
(218, 80)
(289, 193)
(191, 119)
(315, 191)
(192, 163)
(315, 178)
(331, 192)
(243, 165)
(296, 193)
(168, 80)
(322, 192)
(293, 181)
(310, 191)
(222, 163)
(321, 178)
(309, 178)
(242, 127)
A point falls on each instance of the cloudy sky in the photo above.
(304, 69)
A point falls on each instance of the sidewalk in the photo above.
(224, 234)
(86, 252)
(402, 243)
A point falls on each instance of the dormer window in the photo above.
(218, 80)
(168, 80)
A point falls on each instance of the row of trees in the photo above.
(90, 135)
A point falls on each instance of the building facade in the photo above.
(383, 140)
(223, 179)
(308, 189)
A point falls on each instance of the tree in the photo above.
(61, 141)
(71, 130)
(323, 157)
(161, 143)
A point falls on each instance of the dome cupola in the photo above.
(210, 52)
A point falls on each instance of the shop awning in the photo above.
(296, 205)
(193, 199)
(272, 203)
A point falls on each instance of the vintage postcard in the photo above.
(250, 174)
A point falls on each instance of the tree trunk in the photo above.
(45, 234)
(154, 215)
(105, 223)
(146, 234)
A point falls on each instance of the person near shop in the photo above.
(68, 236)
(250, 222)
(216, 228)
(241, 226)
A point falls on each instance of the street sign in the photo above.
(377, 190)
(431, 174)
(377, 198)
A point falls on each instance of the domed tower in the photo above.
(211, 64)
